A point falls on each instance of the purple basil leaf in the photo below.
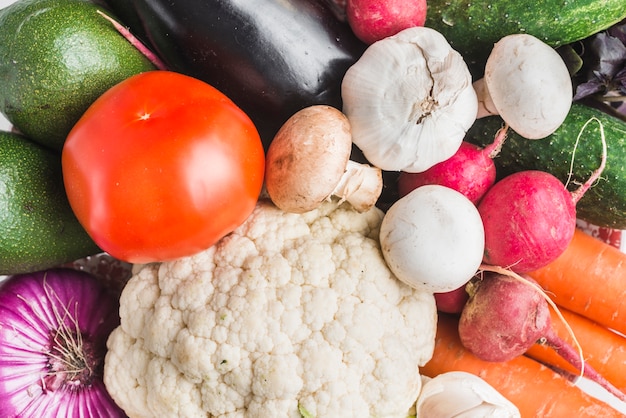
(620, 80)
(618, 31)
(589, 88)
(611, 52)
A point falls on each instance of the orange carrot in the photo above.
(536, 390)
(589, 278)
(603, 349)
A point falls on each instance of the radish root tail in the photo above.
(492, 150)
(578, 193)
(125, 32)
(567, 352)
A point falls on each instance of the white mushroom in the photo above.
(462, 394)
(308, 162)
(433, 239)
(410, 101)
(527, 83)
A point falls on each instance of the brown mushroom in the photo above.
(308, 162)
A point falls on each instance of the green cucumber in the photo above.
(604, 204)
(472, 27)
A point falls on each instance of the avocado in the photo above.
(38, 229)
(56, 58)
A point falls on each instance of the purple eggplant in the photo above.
(271, 57)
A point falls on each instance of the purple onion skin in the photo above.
(33, 309)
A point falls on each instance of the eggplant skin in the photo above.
(271, 57)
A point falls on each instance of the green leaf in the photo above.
(303, 412)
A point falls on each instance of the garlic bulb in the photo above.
(409, 100)
(462, 395)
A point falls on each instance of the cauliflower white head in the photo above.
(290, 315)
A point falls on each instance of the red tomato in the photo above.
(162, 166)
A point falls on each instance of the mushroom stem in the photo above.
(360, 185)
(486, 107)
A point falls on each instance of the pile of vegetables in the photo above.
(315, 208)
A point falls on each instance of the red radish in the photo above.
(502, 318)
(506, 315)
(470, 170)
(530, 218)
(373, 20)
(452, 302)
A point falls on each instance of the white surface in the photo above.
(4, 124)
(590, 387)
(599, 392)
(4, 3)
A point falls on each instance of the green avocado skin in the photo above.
(56, 58)
(571, 154)
(473, 26)
(38, 229)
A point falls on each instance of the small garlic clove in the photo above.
(460, 394)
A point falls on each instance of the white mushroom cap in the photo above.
(308, 162)
(433, 239)
(528, 84)
(410, 100)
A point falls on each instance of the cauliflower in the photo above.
(290, 315)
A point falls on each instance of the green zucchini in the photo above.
(472, 27)
(604, 204)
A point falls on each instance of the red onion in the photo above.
(53, 330)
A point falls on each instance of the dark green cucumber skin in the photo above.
(604, 204)
(472, 27)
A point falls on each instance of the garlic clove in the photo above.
(461, 394)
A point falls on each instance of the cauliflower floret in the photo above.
(289, 313)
